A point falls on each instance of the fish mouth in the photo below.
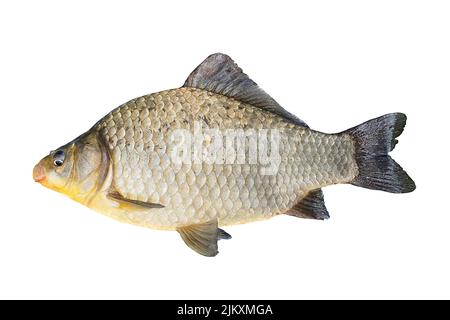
(39, 173)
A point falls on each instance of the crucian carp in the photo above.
(218, 151)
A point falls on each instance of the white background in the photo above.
(332, 63)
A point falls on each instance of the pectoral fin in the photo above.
(202, 238)
(136, 203)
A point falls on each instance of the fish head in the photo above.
(76, 169)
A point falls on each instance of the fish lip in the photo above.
(38, 173)
(39, 179)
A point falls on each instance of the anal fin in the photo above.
(312, 206)
(202, 238)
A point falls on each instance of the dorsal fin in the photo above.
(219, 74)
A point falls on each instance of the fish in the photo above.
(216, 152)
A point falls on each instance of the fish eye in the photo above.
(58, 158)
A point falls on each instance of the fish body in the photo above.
(218, 151)
(233, 193)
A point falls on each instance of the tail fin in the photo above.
(374, 139)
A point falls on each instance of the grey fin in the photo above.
(117, 196)
(202, 238)
(219, 74)
(373, 140)
(312, 206)
(223, 235)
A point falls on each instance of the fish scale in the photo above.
(144, 171)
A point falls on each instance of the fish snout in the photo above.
(38, 173)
